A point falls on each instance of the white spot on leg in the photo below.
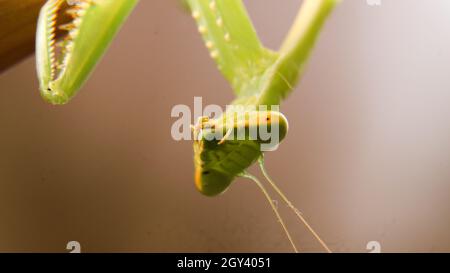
(227, 37)
(202, 29)
(209, 45)
(196, 15)
(215, 54)
(219, 22)
(212, 5)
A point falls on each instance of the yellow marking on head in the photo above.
(198, 179)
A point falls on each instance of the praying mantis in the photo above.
(259, 77)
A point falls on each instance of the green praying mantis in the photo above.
(258, 76)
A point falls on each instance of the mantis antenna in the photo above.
(294, 209)
(274, 208)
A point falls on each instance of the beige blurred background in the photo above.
(367, 157)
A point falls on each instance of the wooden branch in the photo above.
(18, 20)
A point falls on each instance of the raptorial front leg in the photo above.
(67, 51)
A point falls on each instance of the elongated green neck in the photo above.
(295, 50)
(307, 25)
